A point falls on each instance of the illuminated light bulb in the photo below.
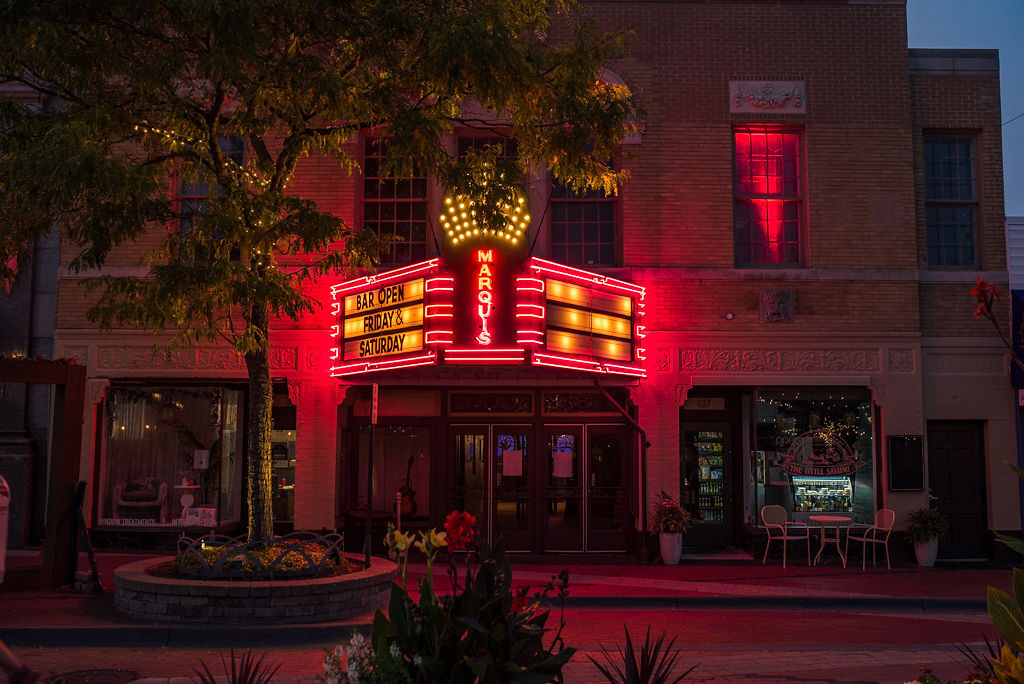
(447, 200)
(521, 200)
(514, 240)
(461, 205)
(475, 231)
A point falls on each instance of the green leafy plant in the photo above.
(669, 516)
(655, 664)
(484, 631)
(248, 669)
(925, 524)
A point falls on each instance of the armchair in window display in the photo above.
(142, 494)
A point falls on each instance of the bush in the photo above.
(926, 524)
(669, 516)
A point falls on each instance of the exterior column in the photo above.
(92, 439)
(316, 449)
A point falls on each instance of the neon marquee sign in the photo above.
(480, 307)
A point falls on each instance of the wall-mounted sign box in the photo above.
(484, 306)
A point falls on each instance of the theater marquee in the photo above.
(482, 305)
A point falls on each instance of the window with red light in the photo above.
(394, 206)
(950, 204)
(583, 227)
(766, 191)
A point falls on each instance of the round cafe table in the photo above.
(834, 522)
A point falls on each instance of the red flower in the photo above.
(519, 604)
(460, 530)
(987, 294)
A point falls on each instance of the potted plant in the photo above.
(924, 528)
(670, 520)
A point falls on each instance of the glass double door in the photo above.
(554, 488)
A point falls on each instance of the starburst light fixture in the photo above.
(460, 220)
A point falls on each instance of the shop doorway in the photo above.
(956, 476)
(554, 488)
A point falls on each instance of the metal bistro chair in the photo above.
(777, 524)
(875, 534)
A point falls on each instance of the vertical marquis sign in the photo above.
(484, 292)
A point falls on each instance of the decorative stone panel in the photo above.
(776, 306)
(774, 361)
(777, 97)
(901, 360)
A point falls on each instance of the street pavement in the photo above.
(736, 619)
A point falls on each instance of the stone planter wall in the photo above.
(320, 599)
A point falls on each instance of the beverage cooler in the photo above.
(822, 494)
(704, 482)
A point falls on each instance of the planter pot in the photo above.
(671, 544)
(926, 552)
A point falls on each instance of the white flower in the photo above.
(416, 660)
(357, 640)
(353, 674)
(395, 651)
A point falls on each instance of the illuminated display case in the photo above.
(704, 487)
(817, 494)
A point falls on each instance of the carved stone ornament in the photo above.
(776, 306)
(294, 392)
(662, 360)
(96, 389)
(312, 359)
(901, 360)
(780, 97)
(283, 358)
(774, 361)
(681, 392)
(143, 358)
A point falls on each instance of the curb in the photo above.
(199, 635)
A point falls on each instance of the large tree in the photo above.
(135, 101)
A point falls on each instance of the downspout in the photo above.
(643, 467)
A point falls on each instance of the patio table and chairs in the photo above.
(875, 534)
(833, 522)
(779, 527)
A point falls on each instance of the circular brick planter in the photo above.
(317, 599)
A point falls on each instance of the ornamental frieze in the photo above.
(283, 358)
(144, 358)
(774, 361)
(782, 97)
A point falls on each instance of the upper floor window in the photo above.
(394, 206)
(583, 226)
(192, 195)
(950, 200)
(766, 195)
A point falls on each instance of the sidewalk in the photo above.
(61, 617)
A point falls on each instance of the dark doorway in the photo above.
(956, 475)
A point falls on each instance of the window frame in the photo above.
(975, 203)
(363, 202)
(797, 198)
(592, 197)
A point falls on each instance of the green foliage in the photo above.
(249, 669)
(655, 664)
(110, 105)
(669, 516)
(925, 524)
(482, 633)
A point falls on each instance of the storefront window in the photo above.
(171, 457)
(814, 452)
(401, 469)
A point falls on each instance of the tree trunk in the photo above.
(261, 398)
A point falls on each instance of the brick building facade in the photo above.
(808, 207)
